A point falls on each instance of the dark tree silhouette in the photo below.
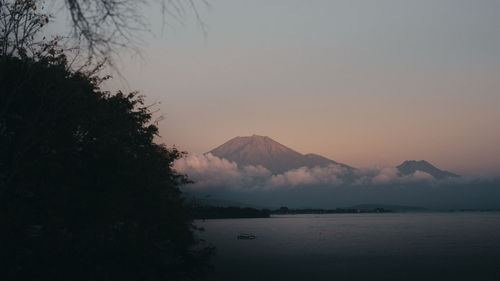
(105, 26)
(101, 29)
(85, 193)
(20, 22)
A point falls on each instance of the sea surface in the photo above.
(388, 246)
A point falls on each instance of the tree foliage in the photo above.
(85, 192)
(20, 22)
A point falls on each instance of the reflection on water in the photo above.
(406, 246)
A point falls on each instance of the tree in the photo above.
(85, 192)
(104, 26)
(20, 22)
(100, 28)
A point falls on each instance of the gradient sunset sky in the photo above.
(366, 83)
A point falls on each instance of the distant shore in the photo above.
(213, 212)
(216, 212)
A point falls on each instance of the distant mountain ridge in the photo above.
(262, 150)
(277, 158)
(409, 167)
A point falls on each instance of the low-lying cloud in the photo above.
(331, 186)
(210, 172)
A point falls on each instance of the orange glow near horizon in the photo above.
(363, 83)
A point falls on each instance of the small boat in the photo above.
(246, 236)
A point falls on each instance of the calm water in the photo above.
(406, 246)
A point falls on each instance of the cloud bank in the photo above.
(210, 172)
(331, 186)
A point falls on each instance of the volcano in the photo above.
(261, 150)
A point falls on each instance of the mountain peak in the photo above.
(258, 137)
(409, 167)
(422, 162)
(262, 150)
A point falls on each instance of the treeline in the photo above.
(285, 210)
(211, 212)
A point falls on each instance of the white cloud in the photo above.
(309, 176)
(391, 175)
(419, 176)
(386, 175)
(209, 171)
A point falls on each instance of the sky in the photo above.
(366, 83)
